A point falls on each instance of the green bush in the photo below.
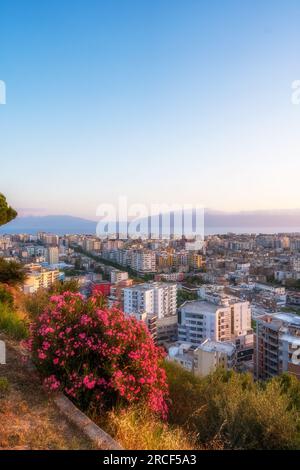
(6, 297)
(231, 408)
(4, 386)
(11, 272)
(69, 285)
(11, 323)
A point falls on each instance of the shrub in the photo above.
(6, 297)
(35, 303)
(4, 386)
(12, 323)
(11, 272)
(232, 410)
(68, 285)
(98, 357)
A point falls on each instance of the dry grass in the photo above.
(28, 419)
(136, 429)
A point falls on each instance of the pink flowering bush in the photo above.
(97, 356)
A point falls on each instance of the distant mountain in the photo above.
(215, 222)
(254, 219)
(60, 224)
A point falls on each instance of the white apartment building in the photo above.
(117, 276)
(143, 261)
(53, 255)
(213, 354)
(204, 359)
(295, 262)
(200, 320)
(156, 298)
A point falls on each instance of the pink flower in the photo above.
(52, 383)
(42, 355)
(89, 382)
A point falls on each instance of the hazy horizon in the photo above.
(214, 223)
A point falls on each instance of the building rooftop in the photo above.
(205, 306)
(196, 306)
(211, 346)
(288, 317)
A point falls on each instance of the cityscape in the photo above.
(235, 302)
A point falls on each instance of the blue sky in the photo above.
(180, 101)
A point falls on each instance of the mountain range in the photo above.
(215, 222)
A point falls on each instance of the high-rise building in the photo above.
(277, 345)
(143, 261)
(156, 298)
(53, 255)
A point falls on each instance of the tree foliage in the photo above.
(11, 272)
(236, 412)
(7, 213)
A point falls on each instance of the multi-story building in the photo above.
(117, 276)
(277, 345)
(48, 238)
(40, 278)
(204, 359)
(53, 255)
(195, 260)
(166, 330)
(143, 261)
(159, 299)
(227, 321)
(88, 244)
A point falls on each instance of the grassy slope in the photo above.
(28, 420)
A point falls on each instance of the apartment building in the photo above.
(166, 330)
(117, 276)
(205, 358)
(42, 278)
(195, 260)
(48, 238)
(53, 255)
(228, 320)
(277, 345)
(143, 261)
(155, 298)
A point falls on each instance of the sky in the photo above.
(160, 101)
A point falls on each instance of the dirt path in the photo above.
(28, 419)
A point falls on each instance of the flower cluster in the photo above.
(97, 356)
